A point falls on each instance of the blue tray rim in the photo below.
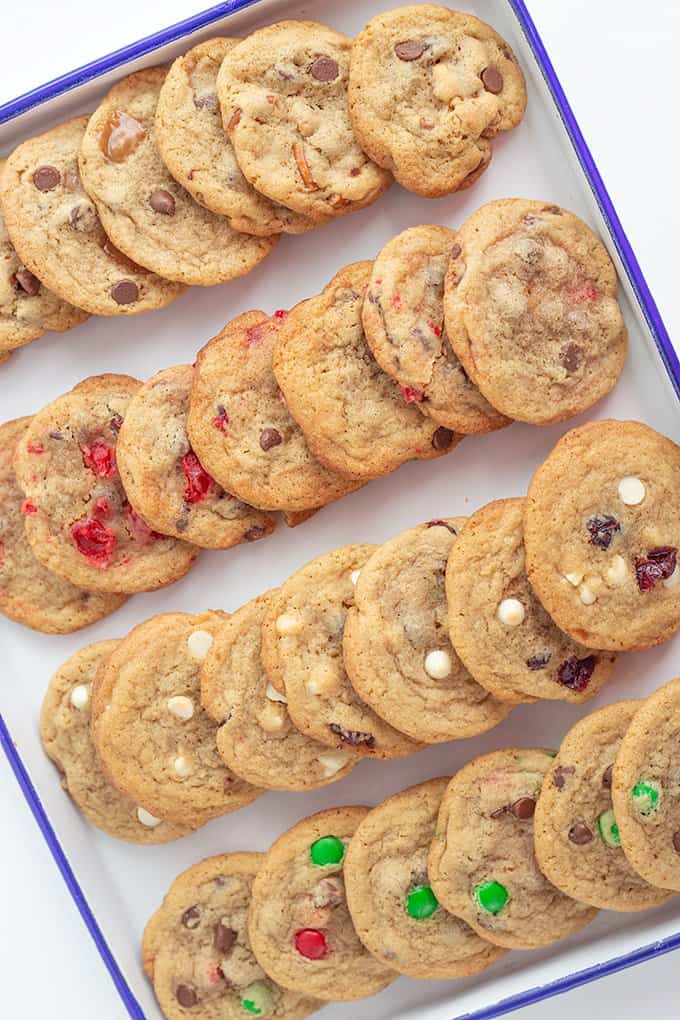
(66, 83)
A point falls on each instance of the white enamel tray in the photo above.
(116, 886)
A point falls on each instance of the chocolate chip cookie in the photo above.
(78, 518)
(241, 428)
(645, 789)
(283, 93)
(67, 739)
(29, 593)
(355, 418)
(531, 311)
(197, 952)
(403, 319)
(396, 646)
(300, 928)
(164, 479)
(308, 615)
(482, 866)
(196, 149)
(602, 533)
(576, 833)
(394, 910)
(56, 231)
(142, 207)
(428, 89)
(497, 625)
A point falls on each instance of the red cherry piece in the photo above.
(100, 458)
(255, 334)
(199, 481)
(35, 448)
(101, 507)
(411, 395)
(583, 292)
(28, 507)
(94, 541)
(280, 313)
(139, 529)
(437, 330)
(311, 944)
(221, 419)
(396, 302)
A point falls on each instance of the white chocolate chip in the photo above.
(674, 580)
(354, 576)
(274, 695)
(325, 682)
(617, 572)
(288, 623)
(80, 696)
(273, 717)
(183, 766)
(574, 578)
(511, 612)
(587, 594)
(147, 819)
(631, 490)
(333, 761)
(181, 706)
(199, 644)
(438, 664)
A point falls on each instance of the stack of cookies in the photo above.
(188, 175)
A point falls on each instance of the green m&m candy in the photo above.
(608, 829)
(645, 796)
(491, 896)
(421, 902)
(327, 850)
(257, 999)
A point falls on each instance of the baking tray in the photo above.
(116, 886)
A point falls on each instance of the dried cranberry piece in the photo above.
(101, 507)
(539, 661)
(28, 507)
(139, 529)
(100, 458)
(94, 541)
(576, 673)
(353, 737)
(411, 395)
(601, 528)
(656, 566)
(221, 419)
(199, 481)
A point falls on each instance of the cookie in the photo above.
(57, 234)
(403, 320)
(29, 593)
(163, 477)
(299, 925)
(142, 207)
(271, 660)
(602, 532)
(308, 615)
(197, 952)
(78, 519)
(531, 311)
(576, 835)
(397, 651)
(155, 741)
(283, 94)
(196, 149)
(256, 738)
(394, 911)
(645, 789)
(428, 89)
(67, 739)
(482, 866)
(355, 418)
(242, 430)
(497, 625)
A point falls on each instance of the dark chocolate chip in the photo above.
(570, 357)
(191, 918)
(353, 737)
(82, 217)
(523, 808)
(492, 80)
(324, 69)
(224, 938)
(207, 101)
(410, 49)
(455, 251)
(499, 812)
(29, 283)
(676, 841)
(125, 292)
(441, 524)
(607, 777)
(269, 438)
(46, 178)
(186, 996)
(559, 774)
(442, 438)
(554, 209)
(115, 424)
(580, 834)
(56, 434)
(162, 202)
(539, 661)
(252, 534)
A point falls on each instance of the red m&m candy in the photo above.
(311, 943)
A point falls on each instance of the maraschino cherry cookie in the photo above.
(197, 953)
(531, 311)
(57, 234)
(602, 533)
(356, 419)
(482, 866)
(394, 910)
(155, 741)
(308, 619)
(299, 924)
(67, 738)
(163, 477)
(142, 207)
(29, 593)
(241, 428)
(403, 319)
(645, 789)
(576, 833)
(396, 649)
(79, 521)
(497, 625)
(256, 738)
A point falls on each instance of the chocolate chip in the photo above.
(46, 178)
(441, 524)
(162, 202)
(56, 434)
(207, 101)
(499, 812)
(324, 69)
(186, 996)
(224, 938)
(27, 282)
(607, 777)
(455, 251)
(492, 80)
(442, 438)
(559, 774)
(676, 841)
(580, 834)
(554, 209)
(191, 918)
(352, 737)
(539, 661)
(82, 217)
(411, 49)
(115, 424)
(181, 524)
(269, 438)
(125, 292)
(523, 808)
(570, 357)
(252, 534)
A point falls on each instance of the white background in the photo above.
(618, 68)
